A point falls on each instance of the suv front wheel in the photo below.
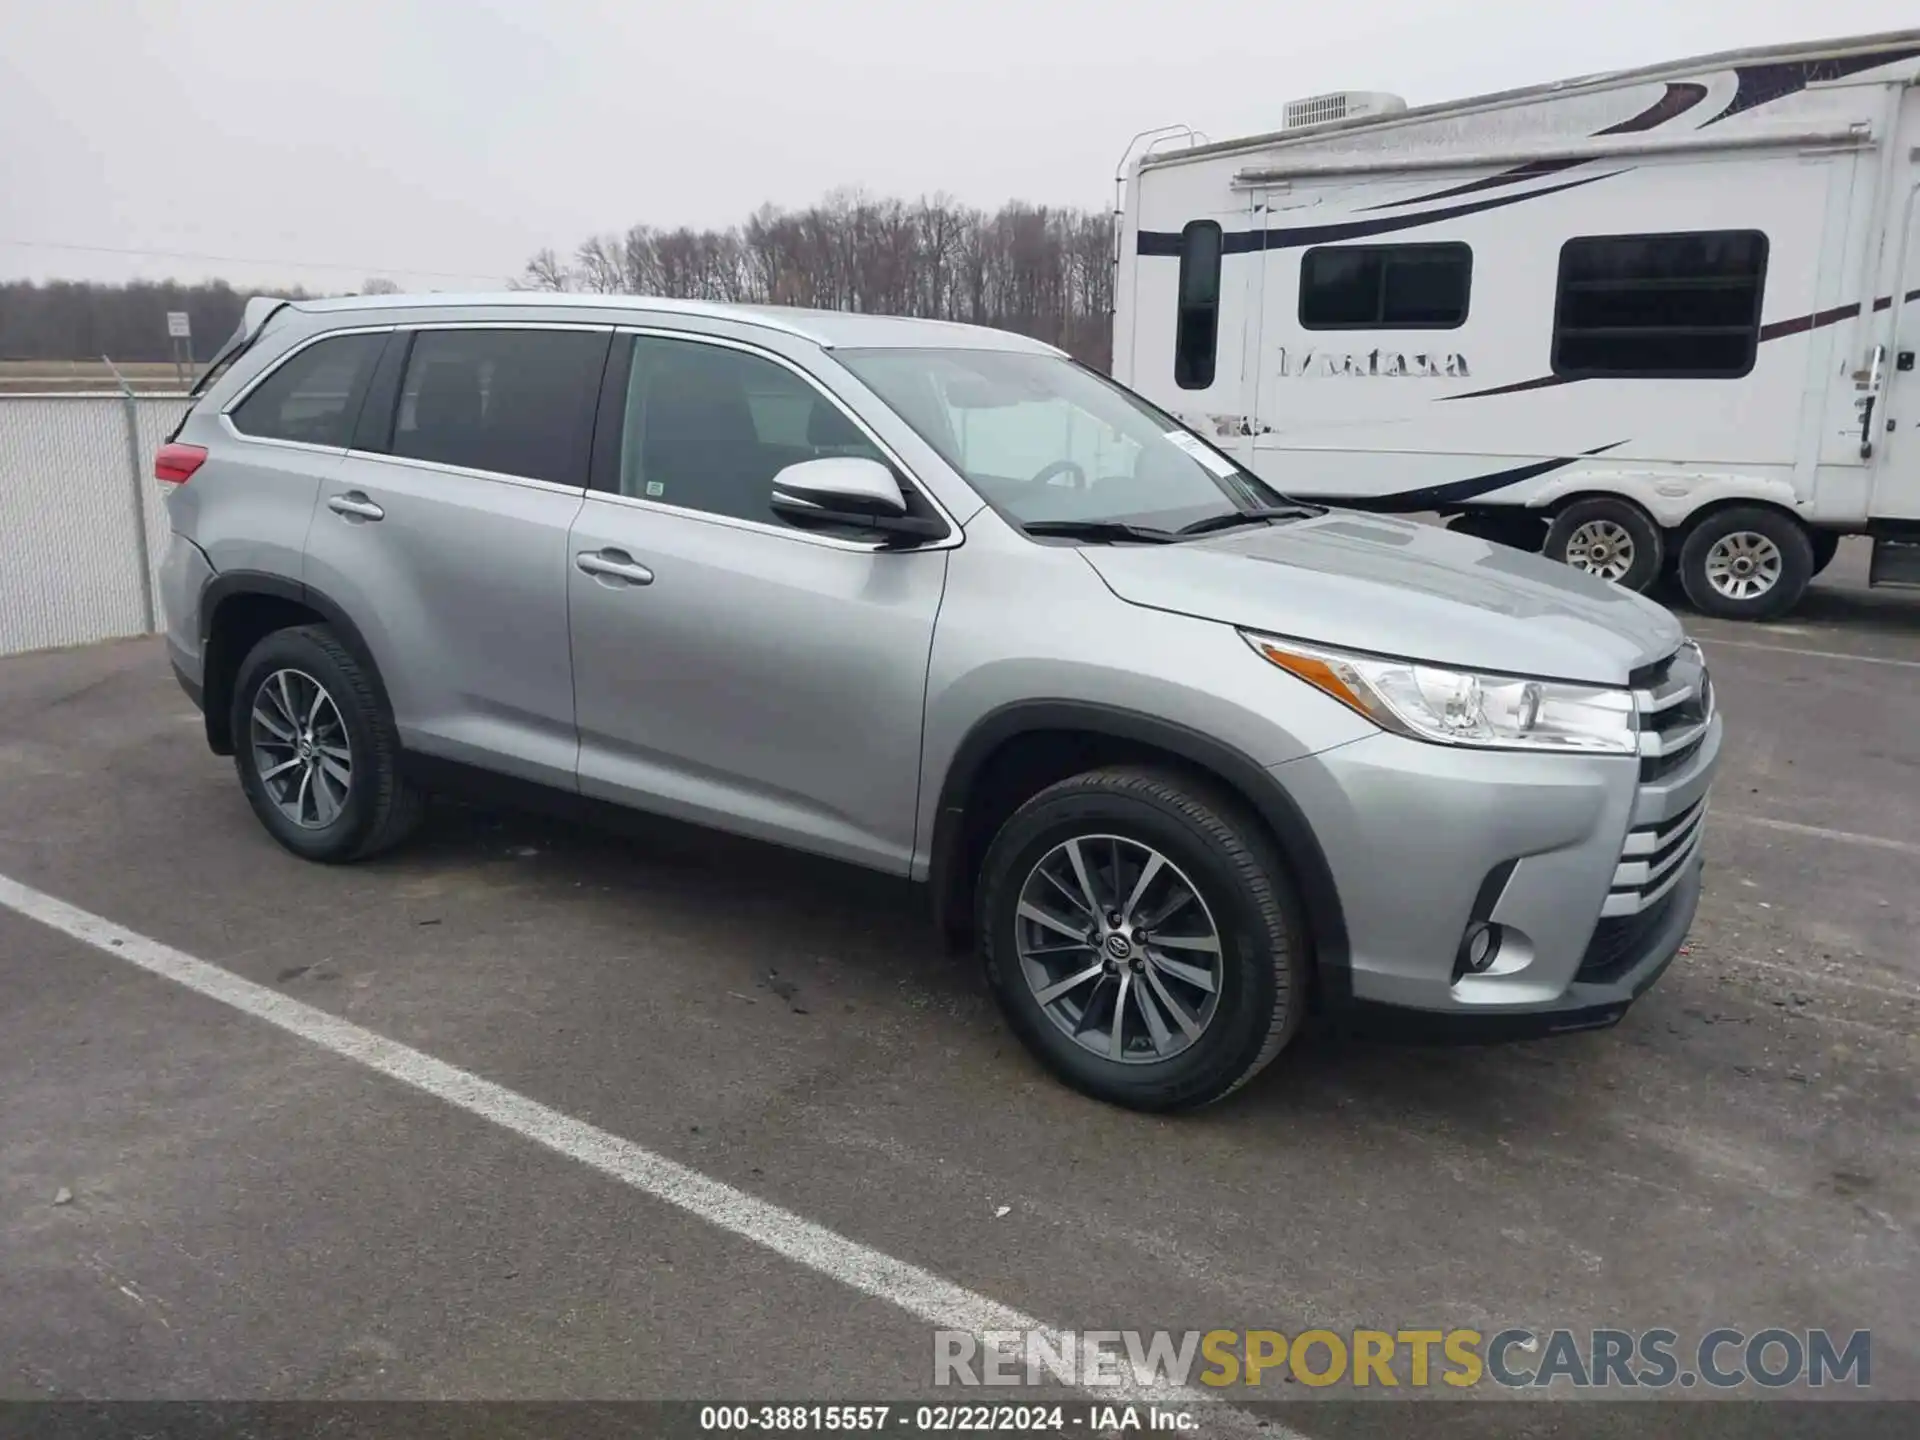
(1142, 938)
(316, 751)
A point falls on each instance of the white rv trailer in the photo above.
(1654, 321)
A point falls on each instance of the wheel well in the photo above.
(1566, 502)
(1734, 502)
(238, 623)
(1027, 762)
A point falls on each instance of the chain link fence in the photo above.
(83, 526)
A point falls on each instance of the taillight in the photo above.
(176, 463)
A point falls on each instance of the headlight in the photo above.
(1459, 707)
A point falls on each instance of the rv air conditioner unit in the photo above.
(1343, 105)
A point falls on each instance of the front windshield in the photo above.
(1044, 439)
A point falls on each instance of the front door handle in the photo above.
(355, 506)
(613, 565)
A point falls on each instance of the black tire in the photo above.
(1573, 526)
(380, 808)
(1263, 987)
(1789, 538)
(1826, 545)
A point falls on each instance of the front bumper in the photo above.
(1586, 1004)
(1590, 866)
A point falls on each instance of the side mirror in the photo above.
(847, 490)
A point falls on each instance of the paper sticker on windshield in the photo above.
(1218, 464)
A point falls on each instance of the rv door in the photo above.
(1892, 427)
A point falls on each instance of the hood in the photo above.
(1401, 588)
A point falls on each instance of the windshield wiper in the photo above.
(1100, 530)
(1251, 517)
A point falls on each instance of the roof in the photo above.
(833, 329)
(1668, 69)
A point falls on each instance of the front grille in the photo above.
(1653, 859)
(1618, 944)
(1674, 701)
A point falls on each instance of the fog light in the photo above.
(1479, 947)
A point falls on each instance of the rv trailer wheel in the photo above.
(1747, 563)
(1613, 539)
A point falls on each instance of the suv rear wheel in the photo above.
(315, 750)
(1142, 938)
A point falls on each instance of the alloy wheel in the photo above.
(1743, 565)
(1603, 548)
(301, 750)
(1119, 948)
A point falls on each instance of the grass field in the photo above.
(64, 377)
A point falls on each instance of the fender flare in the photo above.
(1651, 492)
(231, 585)
(1250, 781)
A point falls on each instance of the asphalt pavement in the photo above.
(198, 1202)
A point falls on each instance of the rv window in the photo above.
(1385, 287)
(1199, 322)
(1659, 306)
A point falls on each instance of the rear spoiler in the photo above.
(260, 309)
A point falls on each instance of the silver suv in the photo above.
(1189, 760)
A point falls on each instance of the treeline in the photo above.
(78, 320)
(1043, 271)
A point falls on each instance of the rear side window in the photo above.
(516, 402)
(314, 396)
(1385, 287)
(1197, 337)
(1683, 306)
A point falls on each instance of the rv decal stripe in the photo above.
(1680, 97)
(1539, 382)
(1762, 84)
(1244, 242)
(1532, 170)
(1820, 319)
(1455, 492)
(1778, 330)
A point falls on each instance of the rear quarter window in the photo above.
(313, 396)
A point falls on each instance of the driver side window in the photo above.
(708, 427)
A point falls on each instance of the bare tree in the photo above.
(1042, 270)
(379, 285)
(599, 265)
(545, 272)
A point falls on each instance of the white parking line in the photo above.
(1819, 832)
(1816, 654)
(921, 1293)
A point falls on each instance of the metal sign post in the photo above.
(180, 341)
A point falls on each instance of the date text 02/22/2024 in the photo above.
(947, 1419)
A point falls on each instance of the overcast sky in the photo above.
(443, 141)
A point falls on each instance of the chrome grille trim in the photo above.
(1653, 742)
(1632, 902)
(1674, 709)
(1650, 839)
(1671, 693)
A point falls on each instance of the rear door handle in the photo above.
(355, 506)
(613, 565)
